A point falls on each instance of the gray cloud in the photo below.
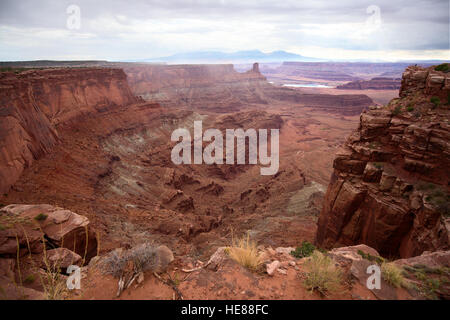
(117, 29)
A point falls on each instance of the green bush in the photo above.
(378, 165)
(40, 217)
(435, 101)
(442, 67)
(370, 257)
(305, 250)
(29, 279)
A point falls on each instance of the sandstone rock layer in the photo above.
(33, 103)
(390, 185)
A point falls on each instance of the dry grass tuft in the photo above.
(321, 274)
(244, 252)
(392, 274)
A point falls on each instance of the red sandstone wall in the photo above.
(34, 102)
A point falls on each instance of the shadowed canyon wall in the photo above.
(33, 103)
(390, 185)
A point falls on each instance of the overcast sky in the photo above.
(121, 30)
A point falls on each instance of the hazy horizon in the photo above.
(116, 31)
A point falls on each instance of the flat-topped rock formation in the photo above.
(379, 83)
(220, 88)
(390, 185)
(217, 87)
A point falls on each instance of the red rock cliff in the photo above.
(33, 103)
(217, 87)
(390, 185)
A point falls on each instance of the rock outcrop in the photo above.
(379, 83)
(28, 226)
(33, 103)
(390, 185)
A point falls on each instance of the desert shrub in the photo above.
(435, 101)
(305, 250)
(426, 186)
(244, 252)
(440, 200)
(397, 110)
(141, 258)
(410, 108)
(40, 217)
(10, 69)
(378, 165)
(428, 285)
(370, 257)
(29, 279)
(442, 67)
(392, 274)
(321, 274)
(52, 280)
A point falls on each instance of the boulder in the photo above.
(372, 173)
(357, 266)
(62, 228)
(165, 257)
(61, 258)
(271, 267)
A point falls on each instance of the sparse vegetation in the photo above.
(379, 260)
(397, 110)
(440, 200)
(41, 217)
(378, 165)
(410, 108)
(429, 283)
(11, 69)
(140, 258)
(392, 274)
(321, 274)
(244, 252)
(435, 101)
(423, 186)
(436, 196)
(444, 67)
(305, 250)
(29, 279)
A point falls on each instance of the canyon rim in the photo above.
(287, 156)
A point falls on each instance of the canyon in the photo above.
(94, 143)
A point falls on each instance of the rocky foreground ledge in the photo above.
(39, 242)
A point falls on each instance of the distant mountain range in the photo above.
(234, 57)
